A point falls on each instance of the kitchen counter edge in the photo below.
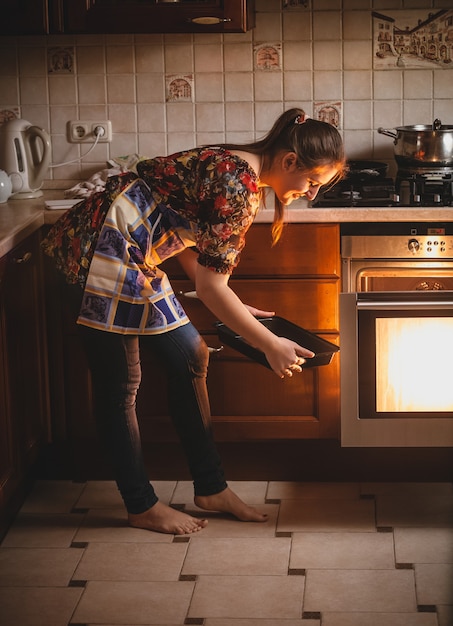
(20, 218)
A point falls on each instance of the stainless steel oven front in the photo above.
(396, 335)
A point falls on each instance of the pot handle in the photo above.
(389, 133)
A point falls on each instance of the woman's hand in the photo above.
(258, 312)
(286, 356)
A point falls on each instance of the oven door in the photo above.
(396, 368)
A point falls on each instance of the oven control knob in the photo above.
(413, 245)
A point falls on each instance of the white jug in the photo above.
(6, 187)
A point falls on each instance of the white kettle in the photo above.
(25, 156)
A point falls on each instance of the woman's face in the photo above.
(290, 181)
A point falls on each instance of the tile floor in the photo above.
(331, 554)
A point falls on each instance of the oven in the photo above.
(396, 335)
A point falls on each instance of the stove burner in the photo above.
(352, 192)
(425, 187)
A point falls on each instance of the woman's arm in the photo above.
(213, 289)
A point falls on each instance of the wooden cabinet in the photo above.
(299, 280)
(24, 400)
(29, 17)
(145, 16)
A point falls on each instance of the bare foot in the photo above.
(164, 519)
(228, 502)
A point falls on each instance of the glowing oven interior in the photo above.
(412, 364)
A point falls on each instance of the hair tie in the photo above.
(300, 119)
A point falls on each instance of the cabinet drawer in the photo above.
(310, 303)
(303, 250)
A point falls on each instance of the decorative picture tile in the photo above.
(179, 87)
(295, 4)
(268, 56)
(8, 114)
(330, 112)
(60, 60)
(413, 39)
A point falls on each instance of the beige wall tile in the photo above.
(149, 59)
(327, 85)
(62, 90)
(327, 55)
(357, 25)
(8, 61)
(327, 25)
(238, 116)
(268, 86)
(417, 111)
(418, 85)
(297, 56)
(151, 118)
(209, 86)
(121, 88)
(178, 59)
(297, 86)
(238, 57)
(150, 87)
(268, 27)
(387, 85)
(33, 90)
(208, 58)
(357, 55)
(238, 86)
(210, 117)
(32, 60)
(92, 89)
(123, 118)
(90, 60)
(9, 90)
(357, 85)
(296, 26)
(120, 59)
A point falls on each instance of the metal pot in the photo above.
(422, 146)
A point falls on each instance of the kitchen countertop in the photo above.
(20, 218)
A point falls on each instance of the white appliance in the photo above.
(25, 156)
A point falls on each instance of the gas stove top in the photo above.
(420, 188)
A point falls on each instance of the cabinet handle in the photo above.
(188, 294)
(213, 350)
(23, 259)
(208, 21)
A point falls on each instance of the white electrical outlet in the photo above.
(85, 132)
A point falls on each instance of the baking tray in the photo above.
(324, 350)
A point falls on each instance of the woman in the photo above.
(197, 204)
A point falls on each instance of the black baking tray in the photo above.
(324, 350)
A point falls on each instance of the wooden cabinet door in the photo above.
(24, 406)
(26, 345)
(149, 16)
(299, 279)
(9, 474)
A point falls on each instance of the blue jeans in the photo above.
(114, 362)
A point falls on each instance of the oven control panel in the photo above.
(397, 247)
(430, 246)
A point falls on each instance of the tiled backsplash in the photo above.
(319, 55)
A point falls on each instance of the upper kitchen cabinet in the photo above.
(33, 17)
(149, 16)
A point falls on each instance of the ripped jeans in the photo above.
(114, 362)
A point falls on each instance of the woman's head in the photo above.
(298, 156)
(315, 143)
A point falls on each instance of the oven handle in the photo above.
(405, 306)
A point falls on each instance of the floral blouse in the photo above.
(204, 197)
(213, 188)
